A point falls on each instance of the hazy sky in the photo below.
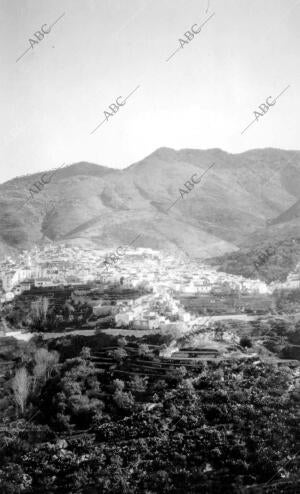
(203, 97)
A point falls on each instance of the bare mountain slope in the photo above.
(235, 199)
(291, 214)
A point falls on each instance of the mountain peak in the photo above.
(165, 154)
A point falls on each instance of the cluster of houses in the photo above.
(51, 265)
(61, 265)
(152, 311)
(165, 272)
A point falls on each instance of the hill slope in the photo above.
(236, 202)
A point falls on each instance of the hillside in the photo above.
(237, 203)
(292, 213)
(268, 261)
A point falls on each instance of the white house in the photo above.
(122, 319)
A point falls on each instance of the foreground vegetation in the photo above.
(72, 426)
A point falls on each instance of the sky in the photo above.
(102, 50)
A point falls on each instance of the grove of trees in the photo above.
(83, 427)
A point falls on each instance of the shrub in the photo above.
(246, 342)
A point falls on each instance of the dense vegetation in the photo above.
(268, 261)
(213, 428)
(287, 300)
(61, 308)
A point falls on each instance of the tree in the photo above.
(21, 387)
(71, 397)
(119, 354)
(44, 308)
(85, 353)
(246, 342)
(119, 384)
(123, 400)
(143, 350)
(177, 374)
(282, 328)
(44, 363)
(39, 310)
(122, 342)
(264, 328)
(3, 326)
(138, 384)
(219, 329)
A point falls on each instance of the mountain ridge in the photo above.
(237, 200)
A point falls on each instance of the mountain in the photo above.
(239, 200)
(291, 214)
